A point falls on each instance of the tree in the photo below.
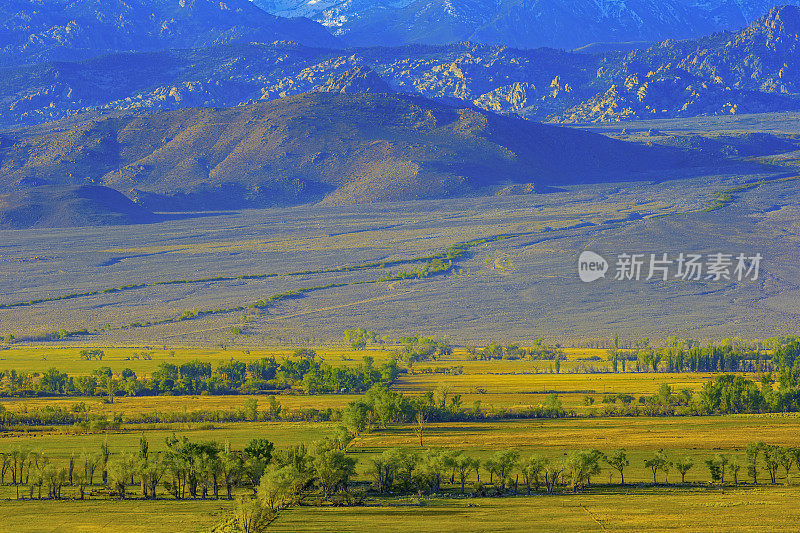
(90, 463)
(786, 459)
(382, 470)
(251, 516)
(552, 472)
(251, 409)
(358, 338)
(464, 465)
(257, 456)
(795, 453)
(715, 469)
(53, 381)
(419, 427)
(752, 453)
(333, 470)
(80, 481)
(6, 458)
(357, 416)
(618, 461)
(735, 467)
(151, 474)
(120, 471)
(279, 486)
(683, 466)
(582, 466)
(433, 465)
(658, 462)
(105, 453)
(273, 408)
(112, 387)
(505, 462)
(232, 469)
(772, 460)
(532, 469)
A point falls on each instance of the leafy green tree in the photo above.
(752, 453)
(251, 409)
(772, 460)
(618, 461)
(273, 408)
(464, 465)
(251, 516)
(151, 473)
(532, 470)
(582, 466)
(658, 463)
(279, 486)
(232, 465)
(358, 338)
(333, 470)
(785, 458)
(715, 469)
(382, 471)
(120, 471)
(735, 467)
(357, 416)
(257, 455)
(552, 473)
(683, 465)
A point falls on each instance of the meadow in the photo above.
(640, 505)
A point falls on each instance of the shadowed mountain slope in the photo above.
(60, 206)
(329, 147)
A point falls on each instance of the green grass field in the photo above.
(656, 509)
(607, 506)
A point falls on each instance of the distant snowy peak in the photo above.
(331, 13)
(522, 23)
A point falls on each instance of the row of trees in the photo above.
(202, 470)
(304, 369)
(539, 350)
(445, 472)
(675, 356)
(381, 407)
(184, 470)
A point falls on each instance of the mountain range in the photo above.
(33, 31)
(753, 70)
(563, 24)
(199, 105)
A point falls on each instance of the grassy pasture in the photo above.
(656, 509)
(67, 359)
(145, 404)
(659, 509)
(507, 383)
(64, 443)
(93, 516)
